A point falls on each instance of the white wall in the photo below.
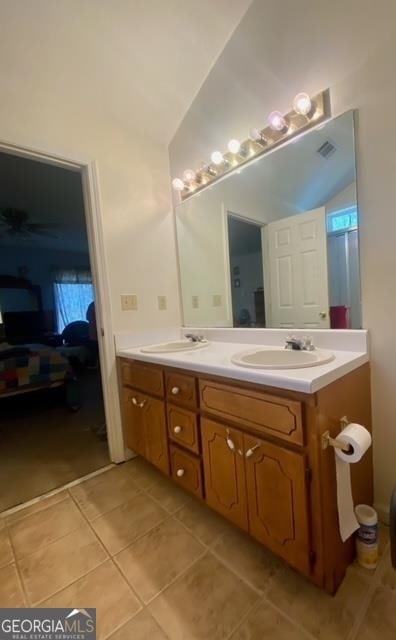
(281, 48)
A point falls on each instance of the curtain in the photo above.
(73, 293)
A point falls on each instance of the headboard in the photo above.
(22, 310)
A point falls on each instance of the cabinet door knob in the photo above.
(231, 444)
(175, 391)
(177, 429)
(251, 451)
(180, 473)
(136, 403)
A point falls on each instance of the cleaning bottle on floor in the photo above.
(367, 536)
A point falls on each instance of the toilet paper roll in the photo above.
(359, 440)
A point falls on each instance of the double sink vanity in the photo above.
(240, 425)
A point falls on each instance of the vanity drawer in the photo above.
(264, 413)
(181, 389)
(186, 471)
(142, 376)
(183, 428)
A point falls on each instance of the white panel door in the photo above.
(297, 262)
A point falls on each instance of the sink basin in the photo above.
(174, 347)
(281, 358)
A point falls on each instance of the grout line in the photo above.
(44, 496)
(295, 623)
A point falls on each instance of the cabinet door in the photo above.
(156, 433)
(277, 500)
(133, 421)
(225, 487)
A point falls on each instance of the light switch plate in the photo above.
(217, 300)
(162, 303)
(129, 302)
(195, 302)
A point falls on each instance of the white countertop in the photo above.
(215, 359)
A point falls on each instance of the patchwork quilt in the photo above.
(30, 364)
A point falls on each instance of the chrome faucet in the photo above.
(193, 337)
(303, 344)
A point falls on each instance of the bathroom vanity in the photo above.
(250, 444)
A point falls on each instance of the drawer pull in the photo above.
(136, 403)
(175, 391)
(177, 429)
(180, 473)
(251, 451)
(231, 444)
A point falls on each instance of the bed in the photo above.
(31, 366)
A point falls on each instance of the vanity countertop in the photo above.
(215, 359)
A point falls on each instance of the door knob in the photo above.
(136, 403)
(322, 314)
(175, 391)
(177, 429)
(251, 451)
(180, 473)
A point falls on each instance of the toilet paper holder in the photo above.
(328, 441)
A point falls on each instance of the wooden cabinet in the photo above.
(254, 455)
(225, 482)
(277, 500)
(145, 427)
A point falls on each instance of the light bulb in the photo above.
(255, 134)
(277, 121)
(234, 146)
(302, 104)
(217, 157)
(178, 184)
(189, 175)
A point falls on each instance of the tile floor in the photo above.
(157, 565)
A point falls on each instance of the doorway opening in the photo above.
(247, 273)
(53, 423)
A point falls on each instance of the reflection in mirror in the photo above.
(275, 244)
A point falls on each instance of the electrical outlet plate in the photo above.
(162, 303)
(195, 302)
(129, 302)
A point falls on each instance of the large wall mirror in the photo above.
(275, 244)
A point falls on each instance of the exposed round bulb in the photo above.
(178, 184)
(302, 104)
(189, 175)
(217, 157)
(277, 121)
(234, 146)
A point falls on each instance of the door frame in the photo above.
(94, 222)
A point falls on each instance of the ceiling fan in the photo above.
(15, 222)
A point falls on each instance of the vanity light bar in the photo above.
(306, 113)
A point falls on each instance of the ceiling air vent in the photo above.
(326, 149)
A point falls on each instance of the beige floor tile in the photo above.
(105, 589)
(265, 623)
(104, 492)
(169, 496)
(141, 627)
(54, 567)
(45, 526)
(206, 525)
(153, 561)
(207, 601)
(6, 554)
(247, 558)
(324, 616)
(121, 526)
(388, 573)
(11, 594)
(143, 473)
(2, 523)
(37, 506)
(380, 619)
